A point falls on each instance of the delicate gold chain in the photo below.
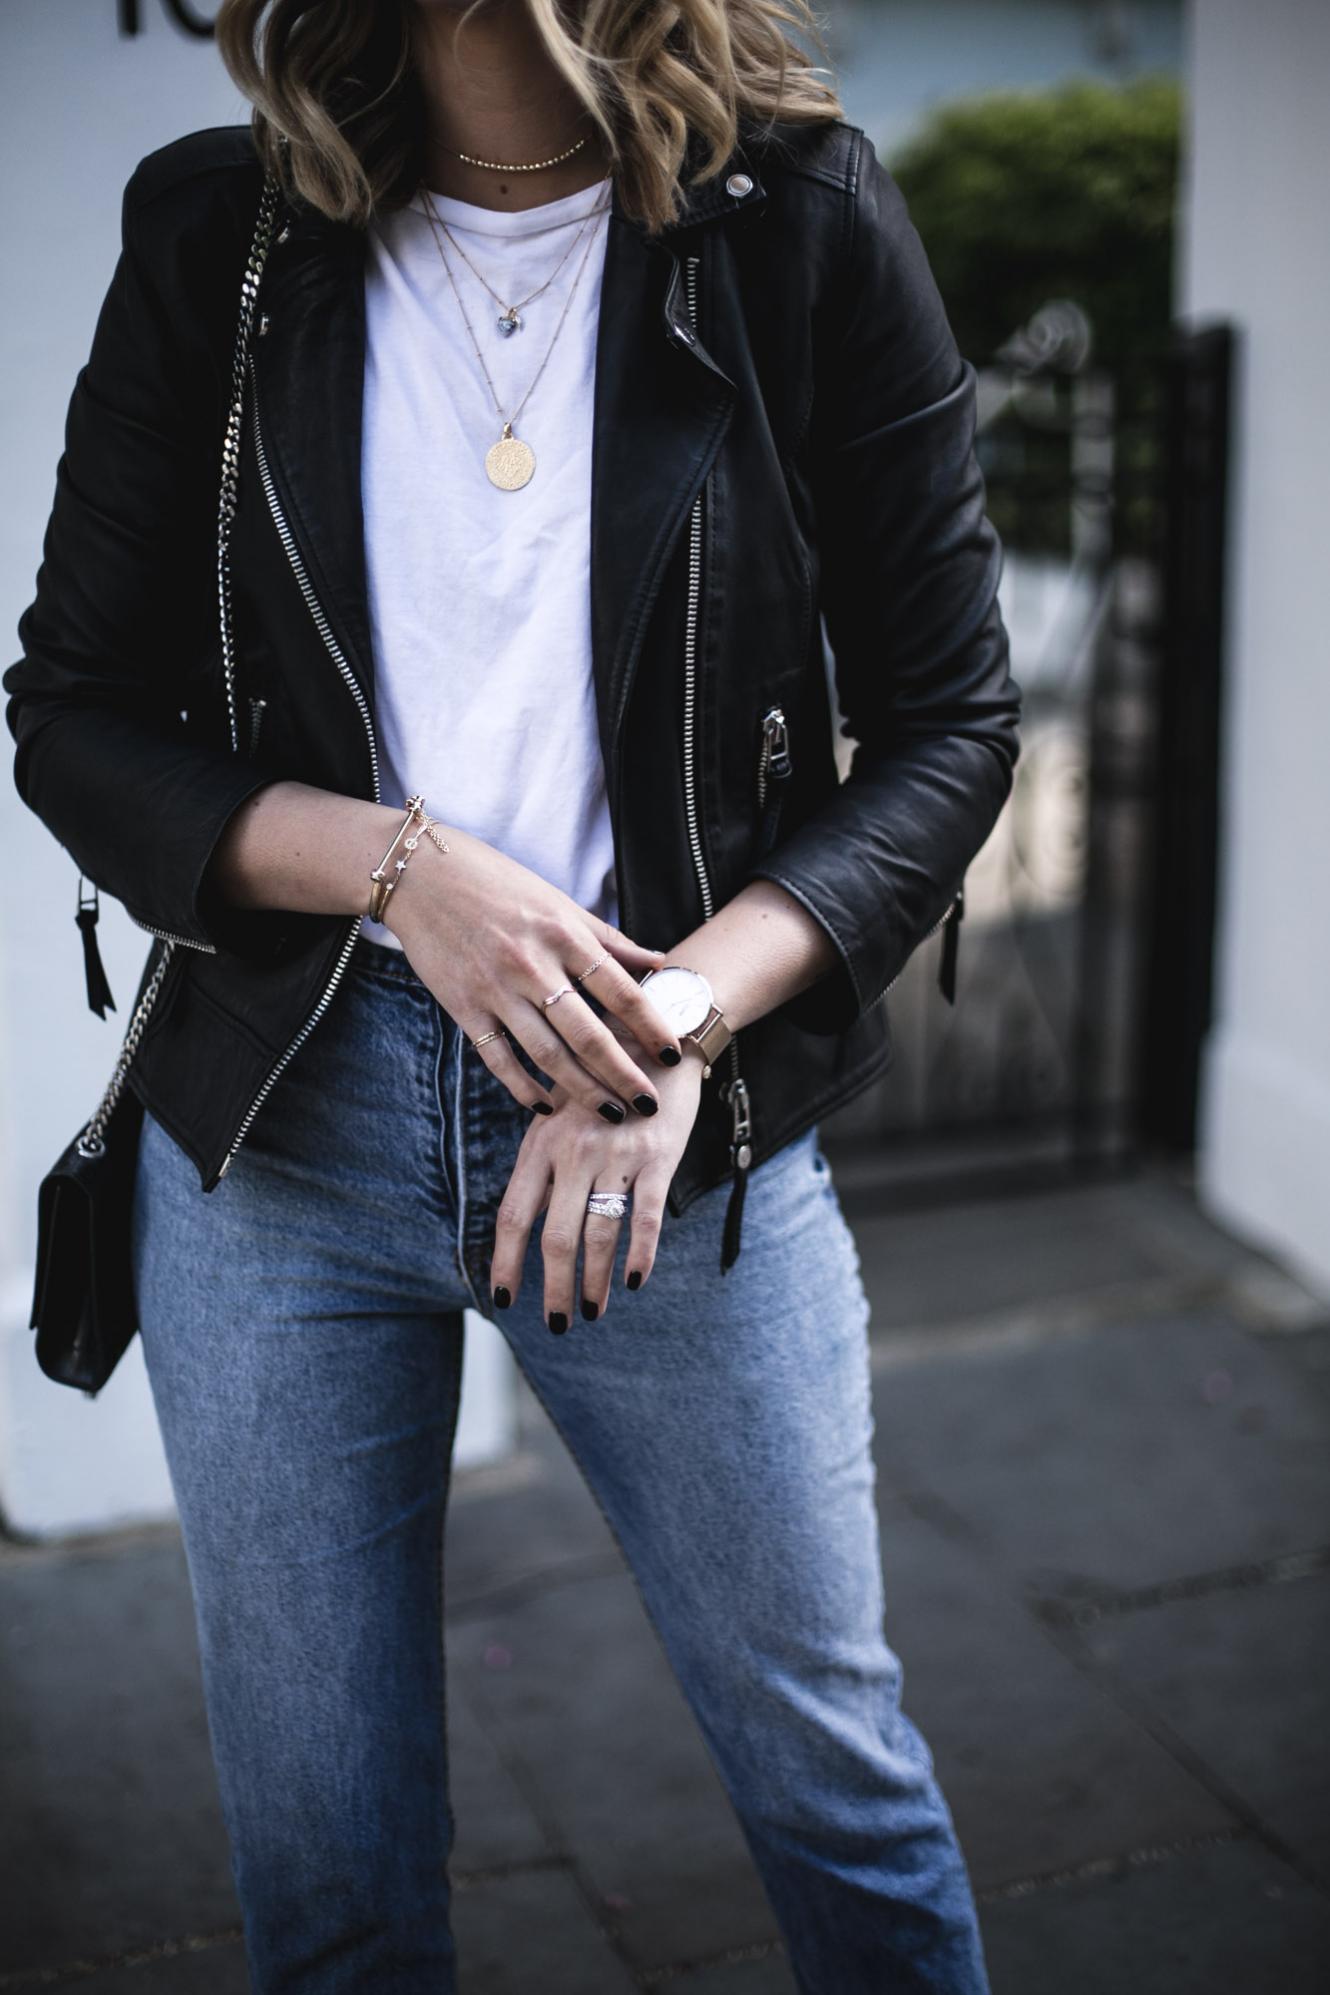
(503, 166)
(518, 303)
(504, 214)
(508, 421)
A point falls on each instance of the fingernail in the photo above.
(612, 1111)
(591, 1310)
(635, 1278)
(501, 1297)
(670, 1056)
(543, 1107)
(645, 1104)
(558, 1321)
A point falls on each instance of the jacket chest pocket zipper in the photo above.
(256, 712)
(774, 768)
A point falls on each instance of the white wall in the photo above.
(1258, 252)
(79, 106)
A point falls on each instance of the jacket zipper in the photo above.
(334, 649)
(953, 913)
(774, 756)
(256, 707)
(735, 1090)
(169, 935)
(773, 769)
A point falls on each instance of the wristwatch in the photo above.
(685, 1000)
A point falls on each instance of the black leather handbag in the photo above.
(83, 1305)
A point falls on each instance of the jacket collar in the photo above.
(661, 406)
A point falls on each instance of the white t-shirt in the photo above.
(480, 598)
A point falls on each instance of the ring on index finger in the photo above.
(609, 1204)
(579, 974)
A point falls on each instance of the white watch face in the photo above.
(684, 996)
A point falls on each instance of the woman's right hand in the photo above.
(491, 939)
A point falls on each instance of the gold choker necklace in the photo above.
(536, 165)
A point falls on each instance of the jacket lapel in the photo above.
(310, 370)
(661, 406)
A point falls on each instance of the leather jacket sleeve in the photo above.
(119, 633)
(909, 565)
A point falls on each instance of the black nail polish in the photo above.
(591, 1310)
(612, 1111)
(558, 1321)
(543, 1107)
(501, 1297)
(635, 1278)
(670, 1056)
(645, 1104)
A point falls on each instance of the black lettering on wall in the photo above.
(182, 12)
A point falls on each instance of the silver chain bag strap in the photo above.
(83, 1305)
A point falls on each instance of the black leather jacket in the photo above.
(783, 434)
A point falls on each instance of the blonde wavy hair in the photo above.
(339, 113)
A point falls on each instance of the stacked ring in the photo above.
(609, 1204)
(485, 1038)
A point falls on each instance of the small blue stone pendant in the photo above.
(510, 322)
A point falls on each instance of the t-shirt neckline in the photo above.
(479, 220)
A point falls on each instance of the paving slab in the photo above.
(533, 1931)
(523, 1520)
(768, 1976)
(108, 1776)
(1241, 1677)
(211, 1970)
(1229, 1917)
(949, 1262)
(494, 1824)
(1041, 1768)
(1115, 1457)
(1308, 1352)
(574, 1685)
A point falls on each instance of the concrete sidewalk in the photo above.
(1105, 1497)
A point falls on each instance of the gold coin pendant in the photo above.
(509, 463)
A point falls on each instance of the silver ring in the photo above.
(485, 1038)
(609, 1204)
(593, 966)
(564, 990)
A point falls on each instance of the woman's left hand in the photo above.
(566, 1156)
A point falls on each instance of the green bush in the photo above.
(1025, 196)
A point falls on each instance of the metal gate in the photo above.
(1081, 997)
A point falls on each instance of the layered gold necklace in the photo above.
(510, 461)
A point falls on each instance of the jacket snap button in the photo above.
(738, 184)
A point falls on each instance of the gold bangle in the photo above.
(382, 882)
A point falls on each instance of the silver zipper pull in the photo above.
(776, 743)
(774, 756)
(736, 1093)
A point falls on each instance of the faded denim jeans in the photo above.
(302, 1326)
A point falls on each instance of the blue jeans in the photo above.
(302, 1326)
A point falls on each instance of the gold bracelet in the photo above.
(381, 884)
(381, 881)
